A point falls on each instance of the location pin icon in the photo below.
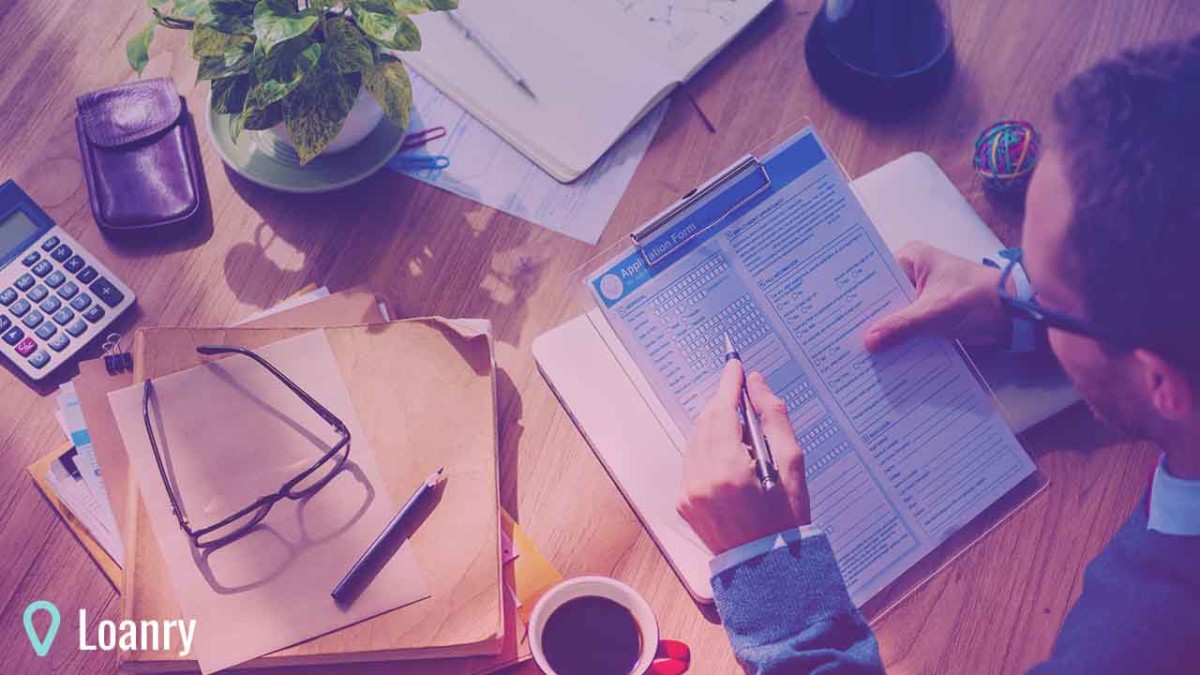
(41, 645)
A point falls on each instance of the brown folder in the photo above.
(424, 392)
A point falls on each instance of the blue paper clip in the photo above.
(418, 162)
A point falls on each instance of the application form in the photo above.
(902, 448)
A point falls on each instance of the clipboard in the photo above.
(635, 437)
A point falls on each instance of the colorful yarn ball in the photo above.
(1005, 154)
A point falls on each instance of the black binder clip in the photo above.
(116, 360)
(700, 210)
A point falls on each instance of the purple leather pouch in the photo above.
(140, 157)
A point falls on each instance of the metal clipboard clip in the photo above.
(692, 202)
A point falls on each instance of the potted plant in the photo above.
(301, 66)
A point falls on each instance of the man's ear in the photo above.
(1170, 390)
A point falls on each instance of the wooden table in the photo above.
(995, 609)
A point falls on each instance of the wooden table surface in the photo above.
(996, 609)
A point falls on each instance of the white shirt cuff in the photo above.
(740, 554)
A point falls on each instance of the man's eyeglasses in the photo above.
(301, 486)
(1031, 310)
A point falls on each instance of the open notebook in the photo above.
(594, 66)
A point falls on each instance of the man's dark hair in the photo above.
(1130, 138)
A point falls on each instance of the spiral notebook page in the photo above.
(230, 432)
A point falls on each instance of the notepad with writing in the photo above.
(594, 67)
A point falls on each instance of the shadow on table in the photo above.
(425, 252)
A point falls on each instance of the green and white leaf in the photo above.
(233, 7)
(394, 31)
(283, 70)
(234, 61)
(207, 41)
(229, 94)
(277, 20)
(348, 51)
(137, 50)
(390, 86)
(317, 109)
(420, 6)
(186, 9)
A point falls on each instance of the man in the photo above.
(1111, 245)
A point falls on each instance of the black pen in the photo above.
(760, 449)
(364, 561)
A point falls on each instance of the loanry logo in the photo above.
(41, 645)
(126, 636)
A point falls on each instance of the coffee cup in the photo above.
(600, 626)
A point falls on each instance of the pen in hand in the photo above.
(760, 449)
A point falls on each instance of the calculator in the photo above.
(54, 296)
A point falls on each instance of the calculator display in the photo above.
(14, 229)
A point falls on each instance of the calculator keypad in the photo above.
(52, 303)
(33, 319)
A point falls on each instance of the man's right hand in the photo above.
(956, 298)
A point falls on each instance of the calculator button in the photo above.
(104, 290)
(5, 322)
(55, 279)
(64, 316)
(33, 257)
(87, 274)
(25, 347)
(74, 264)
(24, 282)
(68, 290)
(7, 296)
(81, 301)
(42, 268)
(49, 244)
(13, 335)
(94, 313)
(77, 327)
(19, 307)
(62, 253)
(37, 293)
(50, 305)
(40, 359)
(33, 319)
(58, 342)
(46, 331)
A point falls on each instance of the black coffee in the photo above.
(592, 636)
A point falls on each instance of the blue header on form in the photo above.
(791, 160)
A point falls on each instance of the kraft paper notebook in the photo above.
(593, 67)
(423, 392)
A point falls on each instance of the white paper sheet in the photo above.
(901, 448)
(485, 169)
(229, 432)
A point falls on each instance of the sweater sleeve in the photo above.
(788, 611)
(1137, 612)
